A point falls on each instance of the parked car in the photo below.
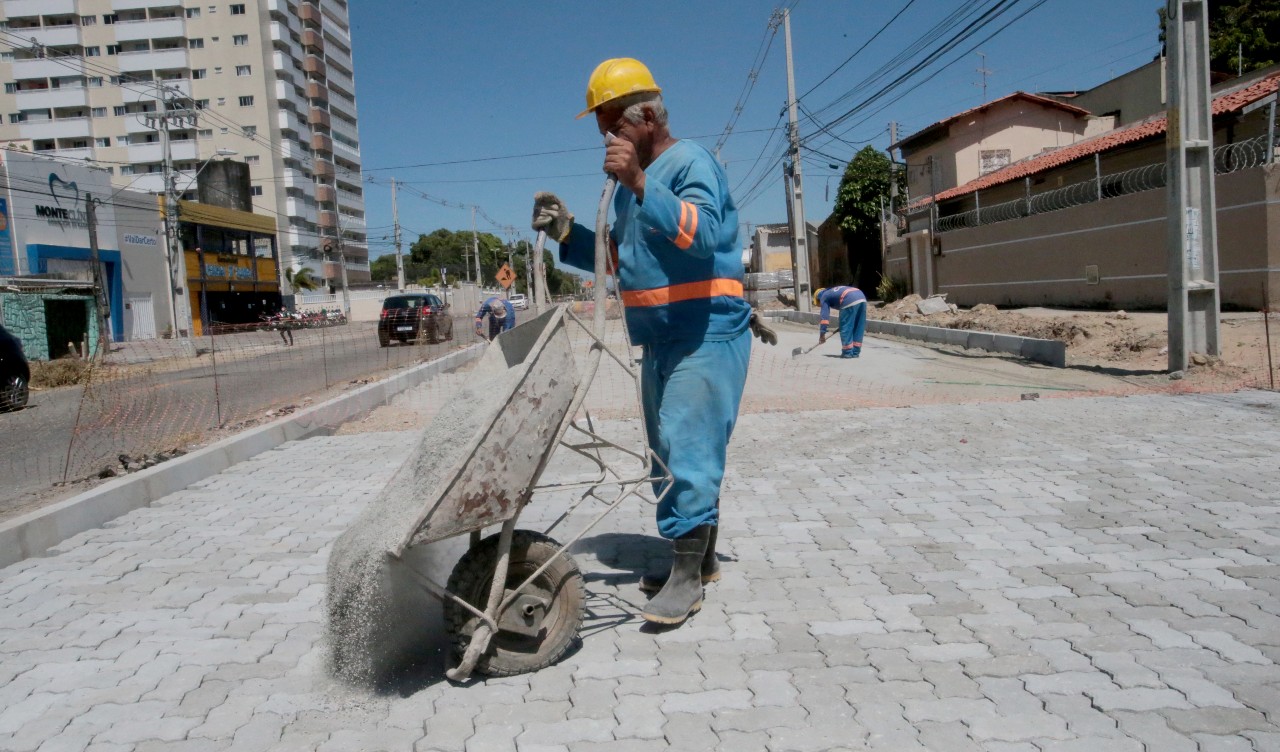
(519, 301)
(15, 375)
(414, 317)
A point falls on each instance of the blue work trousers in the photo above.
(853, 324)
(690, 393)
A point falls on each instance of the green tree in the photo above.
(865, 182)
(446, 248)
(301, 279)
(1244, 35)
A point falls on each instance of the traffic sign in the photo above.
(506, 276)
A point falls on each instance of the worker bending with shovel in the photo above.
(502, 316)
(852, 305)
(679, 269)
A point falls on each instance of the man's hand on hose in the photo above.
(551, 216)
(622, 161)
(758, 328)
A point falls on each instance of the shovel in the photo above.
(797, 352)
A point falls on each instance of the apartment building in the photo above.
(270, 82)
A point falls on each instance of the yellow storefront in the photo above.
(232, 266)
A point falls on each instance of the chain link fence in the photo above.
(1226, 159)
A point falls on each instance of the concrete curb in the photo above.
(1048, 351)
(34, 534)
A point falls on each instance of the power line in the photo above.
(847, 60)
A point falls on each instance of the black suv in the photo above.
(414, 317)
(15, 376)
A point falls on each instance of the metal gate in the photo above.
(139, 317)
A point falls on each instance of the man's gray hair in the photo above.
(634, 105)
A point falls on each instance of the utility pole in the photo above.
(475, 248)
(342, 264)
(799, 228)
(1194, 303)
(179, 307)
(99, 289)
(395, 218)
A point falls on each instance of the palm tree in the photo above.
(301, 279)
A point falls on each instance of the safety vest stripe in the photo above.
(688, 225)
(847, 290)
(708, 288)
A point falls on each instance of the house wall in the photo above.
(1022, 127)
(23, 315)
(1043, 259)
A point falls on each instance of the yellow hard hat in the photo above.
(816, 293)
(615, 78)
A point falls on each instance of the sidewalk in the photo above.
(1073, 574)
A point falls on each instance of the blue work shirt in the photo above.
(507, 322)
(840, 296)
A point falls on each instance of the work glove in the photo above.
(551, 216)
(758, 328)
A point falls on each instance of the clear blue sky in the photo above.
(466, 82)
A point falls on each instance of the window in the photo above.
(105, 141)
(217, 70)
(205, 132)
(196, 44)
(88, 20)
(240, 40)
(113, 49)
(16, 117)
(244, 70)
(255, 190)
(237, 9)
(118, 110)
(202, 104)
(95, 81)
(99, 111)
(110, 18)
(252, 159)
(198, 73)
(221, 102)
(246, 101)
(250, 130)
(193, 12)
(224, 130)
(92, 51)
(10, 87)
(126, 169)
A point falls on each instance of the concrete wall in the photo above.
(23, 314)
(1044, 259)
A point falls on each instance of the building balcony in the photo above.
(309, 14)
(340, 80)
(159, 28)
(313, 65)
(287, 92)
(153, 60)
(290, 149)
(85, 154)
(295, 179)
(40, 99)
(297, 208)
(64, 128)
(326, 194)
(317, 90)
(318, 116)
(312, 39)
(326, 220)
(53, 36)
(346, 151)
(47, 67)
(324, 169)
(27, 8)
(321, 142)
(334, 55)
(144, 4)
(349, 200)
(151, 153)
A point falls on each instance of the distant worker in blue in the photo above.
(852, 305)
(502, 316)
(680, 280)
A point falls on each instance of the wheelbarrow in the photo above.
(514, 601)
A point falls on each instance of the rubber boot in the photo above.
(682, 595)
(653, 581)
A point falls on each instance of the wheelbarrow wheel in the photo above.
(543, 622)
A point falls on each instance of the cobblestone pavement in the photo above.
(1087, 574)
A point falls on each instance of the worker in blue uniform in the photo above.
(679, 270)
(852, 305)
(502, 316)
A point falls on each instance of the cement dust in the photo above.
(381, 623)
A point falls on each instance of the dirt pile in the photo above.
(1135, 341)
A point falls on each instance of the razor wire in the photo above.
(1227, 158)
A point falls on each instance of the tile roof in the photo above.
(1156, 125)
(1034, 98)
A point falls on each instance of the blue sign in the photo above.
(6, 241)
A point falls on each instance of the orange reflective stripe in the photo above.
(709, 288)
(688, 225)
(824, 321)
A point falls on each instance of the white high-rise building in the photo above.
(271, 82)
